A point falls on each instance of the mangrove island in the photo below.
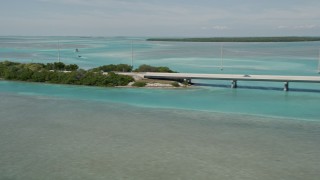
(60, 73)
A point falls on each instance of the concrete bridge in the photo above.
(234, 78)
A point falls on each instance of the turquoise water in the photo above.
(259, 98)
(300, 105)
(205, 132)
(256, 58)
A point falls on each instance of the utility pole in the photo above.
(58, 51)
(221, 56)
(132, 54)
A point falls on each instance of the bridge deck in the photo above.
(234, 77)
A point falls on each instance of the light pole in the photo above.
(58, 51)
(132, 54)
(221, 56)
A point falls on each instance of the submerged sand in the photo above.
(45, 138)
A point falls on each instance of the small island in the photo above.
(239, 39)
(104, 76)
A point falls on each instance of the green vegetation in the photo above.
(239, 39)
(175, 84)
(147, 68)
(112, 67)
(60, 73)
(60, 66)
(127, 68)
(54, 73)
(139, 84)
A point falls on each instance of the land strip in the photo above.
(239, 39)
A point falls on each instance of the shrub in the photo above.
(175, 84)
(71, 67)
(148, 68)
(139, 84)
(113, 67)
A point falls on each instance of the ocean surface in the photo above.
(209, 131)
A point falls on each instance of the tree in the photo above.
(148, 68)
(58, 66)
(11, 72)
(24, 74)
(39, 76)
(49, 66)
(35, 66)
(71, 67)
(40, 73)
(113, 67)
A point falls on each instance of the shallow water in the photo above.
(297, 105)
(50, 138)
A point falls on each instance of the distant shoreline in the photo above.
(239, 39)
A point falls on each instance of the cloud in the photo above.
(299, 27)
(282, 27)
(165, 17)
(312, 26)
(215, 28)
(220, 27)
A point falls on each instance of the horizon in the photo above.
(161, 37)
(175, 18)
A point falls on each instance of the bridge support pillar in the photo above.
(234, 84)
(286, 86)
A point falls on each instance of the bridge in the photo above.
(234, 78)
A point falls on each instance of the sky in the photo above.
(160, 18)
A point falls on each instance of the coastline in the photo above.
(240, 39)
(151, 83)
(155, 84)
